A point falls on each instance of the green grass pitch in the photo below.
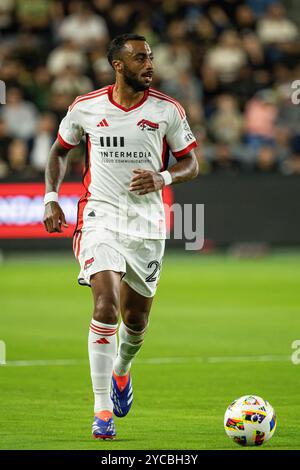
(213, 321)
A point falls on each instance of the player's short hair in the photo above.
(116, 45)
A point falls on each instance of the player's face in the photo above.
(137, 67)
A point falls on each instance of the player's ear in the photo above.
(117, 65)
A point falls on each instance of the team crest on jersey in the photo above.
(144, 124)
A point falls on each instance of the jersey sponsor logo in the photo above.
(112, 141)
(103, 123)
(144, 124)
(88, 263)
(111, 156)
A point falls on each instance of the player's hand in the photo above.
(54, 218)
(145, 181)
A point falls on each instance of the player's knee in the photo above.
(136, 321)
(106, 310)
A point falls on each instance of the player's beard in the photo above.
(131, 80)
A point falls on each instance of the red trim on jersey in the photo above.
(184, 151)
(179, 109)
(86, 183)
(164, 152)
(63, 143)
(110, 96)
(75, 242)
(89, 96)
(78, 245)
(162, 96)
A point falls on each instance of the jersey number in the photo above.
(152, 277)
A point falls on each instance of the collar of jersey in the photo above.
(137, 105)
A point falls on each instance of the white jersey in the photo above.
(119, 140)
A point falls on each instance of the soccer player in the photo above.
(120, 234)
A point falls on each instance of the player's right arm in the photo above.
(69, 136)
(55, 171)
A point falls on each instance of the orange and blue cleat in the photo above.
(121, 394)
(104, 426)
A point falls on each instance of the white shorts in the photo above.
(139, 260)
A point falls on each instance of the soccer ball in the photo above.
(250, 421)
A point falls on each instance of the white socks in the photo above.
(130, 342)
(102, 345)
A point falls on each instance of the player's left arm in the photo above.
(147, 181)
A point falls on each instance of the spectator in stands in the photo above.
(42, 143)
(204, 31)
(29, 49)
(185, 87)
(144, 28)
(33, 15)
(260, 7)
(219, 19)
(279, 36)
(260, 118)
(5, 141)
(103, 72)
(6, 16)
(229, 6)
(291, 166)
(206, 52)
(226, 123)
(19, 115)
(245, 18)
(84, 28)
(121, 18)
(103, 8)
(175, 54)
(244, 86)
(266, 161)
(18, 160)
(38, 89)
(224, 162)
(254, 50)
(227, 57)
(11, 70)
(71, 82)
(283, 144)
(67, 54)
(274, 27)
(57, 17)
(59, 102)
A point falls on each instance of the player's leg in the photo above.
(102, 345)
(135, 310)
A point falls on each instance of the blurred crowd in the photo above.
(230, 63)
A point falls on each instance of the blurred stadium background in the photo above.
(231, 64)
